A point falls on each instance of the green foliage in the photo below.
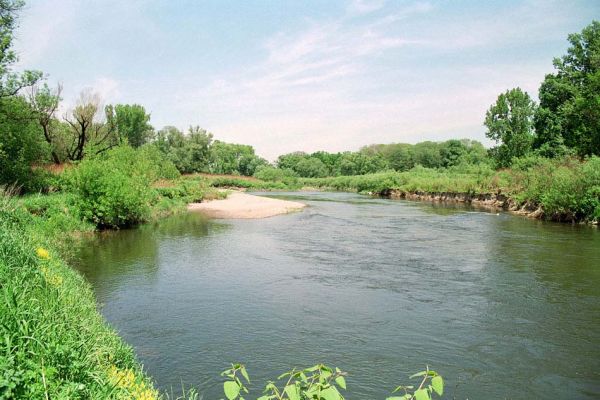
(311, 167)
(231, 182)
(189, 153)
(11, 83)
(431, 384)
(55, 343)
(272, 174)
(569, 112)
(566, 189)
(403, 156)
(133, 124)
(21, 144)
(510, 122)
(113, 190)
(321, 382)
(237, 159)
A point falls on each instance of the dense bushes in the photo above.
(114, 189)
(567, 190)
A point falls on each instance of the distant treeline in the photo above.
(382, 157)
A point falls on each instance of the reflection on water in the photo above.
(502, 306)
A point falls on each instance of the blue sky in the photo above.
(302, 75)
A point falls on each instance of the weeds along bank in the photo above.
(54, 343)
(566, 190)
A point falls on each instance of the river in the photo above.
(500, 305)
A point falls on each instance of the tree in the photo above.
(311, 167)
(198, 149)
(11, 83)
(44, 103)
(569, 111)
(21, 144)
(231, 158)
(91, 130)
(133, 124)
(510, 122)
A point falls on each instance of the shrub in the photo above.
(272, 174)
(113, 190)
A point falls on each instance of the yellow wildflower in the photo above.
(42, 253)
(121, 378)
(140, 393)
(126, 379)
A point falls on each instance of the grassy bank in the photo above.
(55, 344)
(566, 190)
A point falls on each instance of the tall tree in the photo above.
(133, 124)
(569, 109)
(91, 130)
(44, 102)
(510, 123)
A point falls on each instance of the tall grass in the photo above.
(53, 342)
(566, 189)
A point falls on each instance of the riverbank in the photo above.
(245, 206)
(557, 190)
(490, 201)
(56, 343)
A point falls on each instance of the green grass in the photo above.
(53, 342)
(567, 190)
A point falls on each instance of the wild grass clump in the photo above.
(54, 343)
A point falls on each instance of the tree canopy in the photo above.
(510, 122)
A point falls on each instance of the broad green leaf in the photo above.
(263, 398)
(330, 394)
(422, 373)
(341, 382)
(422, 394)
(438, 384)
(231, 390)
(292, 392)
(245, 374)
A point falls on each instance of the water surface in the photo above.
(501, 306)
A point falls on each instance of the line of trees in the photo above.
(383, 157)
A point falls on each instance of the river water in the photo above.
(500, 305)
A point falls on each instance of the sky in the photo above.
(305, 75)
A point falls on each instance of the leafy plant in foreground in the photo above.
(321, 382)
(431, 383)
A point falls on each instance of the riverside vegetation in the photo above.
(107, 168)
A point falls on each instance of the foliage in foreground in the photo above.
(321, 382)
(53, 342)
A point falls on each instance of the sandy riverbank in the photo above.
(242, 205)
